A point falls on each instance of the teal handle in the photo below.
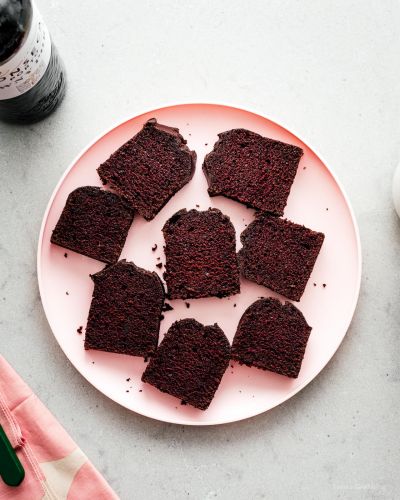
(11, 470)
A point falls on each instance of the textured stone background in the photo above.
(329, 70)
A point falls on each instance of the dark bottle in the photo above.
(32, 76)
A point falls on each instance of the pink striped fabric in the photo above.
(55, 468)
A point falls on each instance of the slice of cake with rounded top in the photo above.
(279, 254)
(252, 169)
(94, 223)
(201, 260)
(272, 336)
(150, 168)
(125, 312)
(190, 362)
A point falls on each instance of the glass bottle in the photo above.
(32, 76)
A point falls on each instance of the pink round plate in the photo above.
(316, 200)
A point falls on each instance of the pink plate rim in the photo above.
(247, 110)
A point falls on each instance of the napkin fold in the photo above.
(55, 467)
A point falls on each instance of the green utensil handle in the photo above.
(11, 470)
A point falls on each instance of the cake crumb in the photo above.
(206, 144)
(187, 304)
(162, 317)
(127, 390)
(234, 305)
(66, 293)
(326, 209)
(128, 379)
(197, 206)
(324, 285)
(92, 362)
(304, 168)
(158, 258)
(65, 255)
(140, 390)
(79, 330)
(154, 247)
(314, 284)
(159, 265)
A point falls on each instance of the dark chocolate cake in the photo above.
(252, 169)
(272, 336)
(150, 168)
(94, 223)
(125, 312)
(279, 254)
(190, 362)
(200, 249)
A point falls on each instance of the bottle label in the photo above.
(27, 66)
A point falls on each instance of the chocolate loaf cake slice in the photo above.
(252, 169)
(272, 336)
(279, 254)
(190, 362)
(200, 249)
(124, 315)
(94, 223)
(150, 168)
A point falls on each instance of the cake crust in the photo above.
(125, 312)
(279, 254)
(201, 260)
(252, 169)
(94, 223)
(150, 168)
(272, 336)
(190, 362)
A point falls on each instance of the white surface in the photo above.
(327, 69)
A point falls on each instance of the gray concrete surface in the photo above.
(330, 70)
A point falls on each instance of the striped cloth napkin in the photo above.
(55, 468)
